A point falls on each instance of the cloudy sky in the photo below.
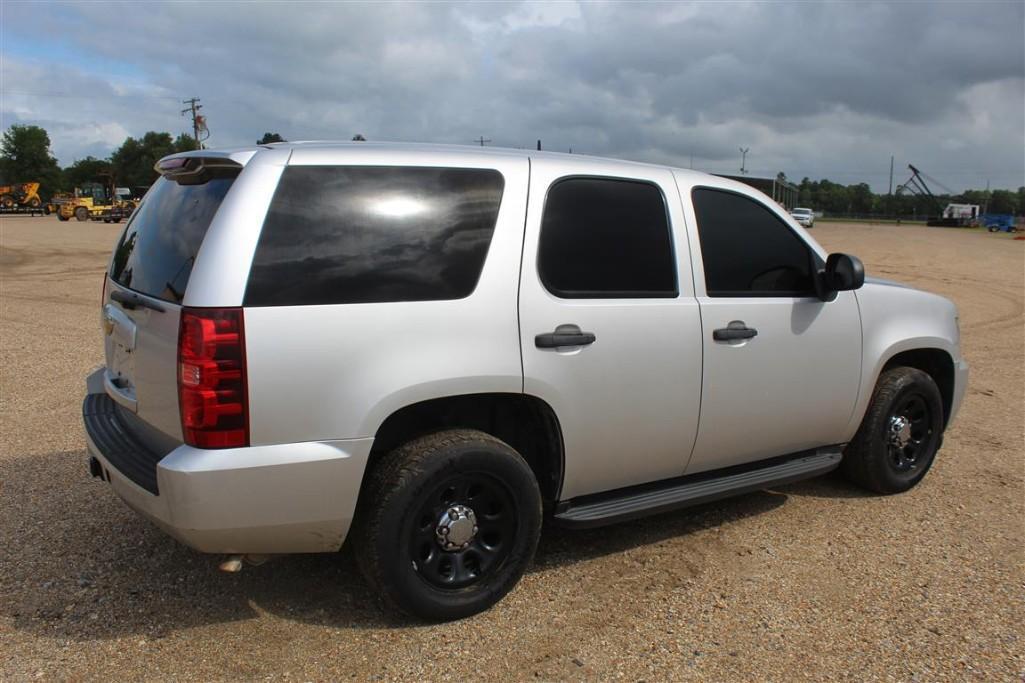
(812, 89)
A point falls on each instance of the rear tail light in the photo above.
(212, 390)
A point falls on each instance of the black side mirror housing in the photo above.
(843, 272)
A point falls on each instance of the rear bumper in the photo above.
(286, 498)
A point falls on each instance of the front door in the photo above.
(781, 367)
(610, 330)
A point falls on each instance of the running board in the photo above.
(634, 502)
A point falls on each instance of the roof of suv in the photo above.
(467, 150)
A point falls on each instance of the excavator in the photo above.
(20, 195)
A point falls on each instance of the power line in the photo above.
(198, 120)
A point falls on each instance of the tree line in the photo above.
(858, 199)
(25, 156)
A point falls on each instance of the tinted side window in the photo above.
(606, 238)
(366, 234)
(747, 250)
(156, 253)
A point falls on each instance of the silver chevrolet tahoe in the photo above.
(427, 350)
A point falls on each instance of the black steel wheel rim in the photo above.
(908, 446)
(495, 513)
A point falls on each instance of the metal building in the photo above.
(779, 188)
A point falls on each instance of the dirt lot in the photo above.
(813, 581)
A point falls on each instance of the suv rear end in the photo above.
(167, 417)
(255, 343)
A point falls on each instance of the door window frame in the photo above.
(586, 295)
(815, 259)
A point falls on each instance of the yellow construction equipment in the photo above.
(20, 194)
(96, 202)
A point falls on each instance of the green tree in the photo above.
(134, 160)
(269, 138)
(25, 156)
(860, 197)
(87, 170)
(1003, 201)
(185, 143)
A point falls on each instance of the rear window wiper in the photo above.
(132, 301)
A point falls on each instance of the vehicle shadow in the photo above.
(560, 546)
(831, 485)
(76, 563)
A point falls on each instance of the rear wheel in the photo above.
(81, 214)
(447, 524)
(897, 440)
(34, 202)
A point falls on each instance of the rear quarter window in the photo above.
(373, 234)
(156, 253)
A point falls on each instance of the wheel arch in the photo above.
(525, 422)
(935, 362)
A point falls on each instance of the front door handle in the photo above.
(734, 331)
(564, 335)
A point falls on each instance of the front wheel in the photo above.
(898, 438)
(447, 524)
(81, 214)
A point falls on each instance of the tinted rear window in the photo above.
(370, 234)
(156, 253)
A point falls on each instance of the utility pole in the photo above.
(743, 159)
(891, 175)
(193, 108)
(482, 140)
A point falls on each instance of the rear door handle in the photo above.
(735, 330)
(564, 335)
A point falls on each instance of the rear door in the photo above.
(610, 330)
(147, 279)
(792, 383)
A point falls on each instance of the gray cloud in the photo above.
(814, 89)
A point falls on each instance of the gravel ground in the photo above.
(812, 581)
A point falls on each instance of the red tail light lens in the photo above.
(212, 388)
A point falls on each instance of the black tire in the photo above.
(407, 504)
(993, 228)
(81, 214)
(62, 218)
(898, 438)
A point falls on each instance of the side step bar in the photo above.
(634, 502)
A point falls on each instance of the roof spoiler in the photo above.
(196, 170)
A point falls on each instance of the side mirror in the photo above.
(843, 272)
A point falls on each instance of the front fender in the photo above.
(896, 319)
